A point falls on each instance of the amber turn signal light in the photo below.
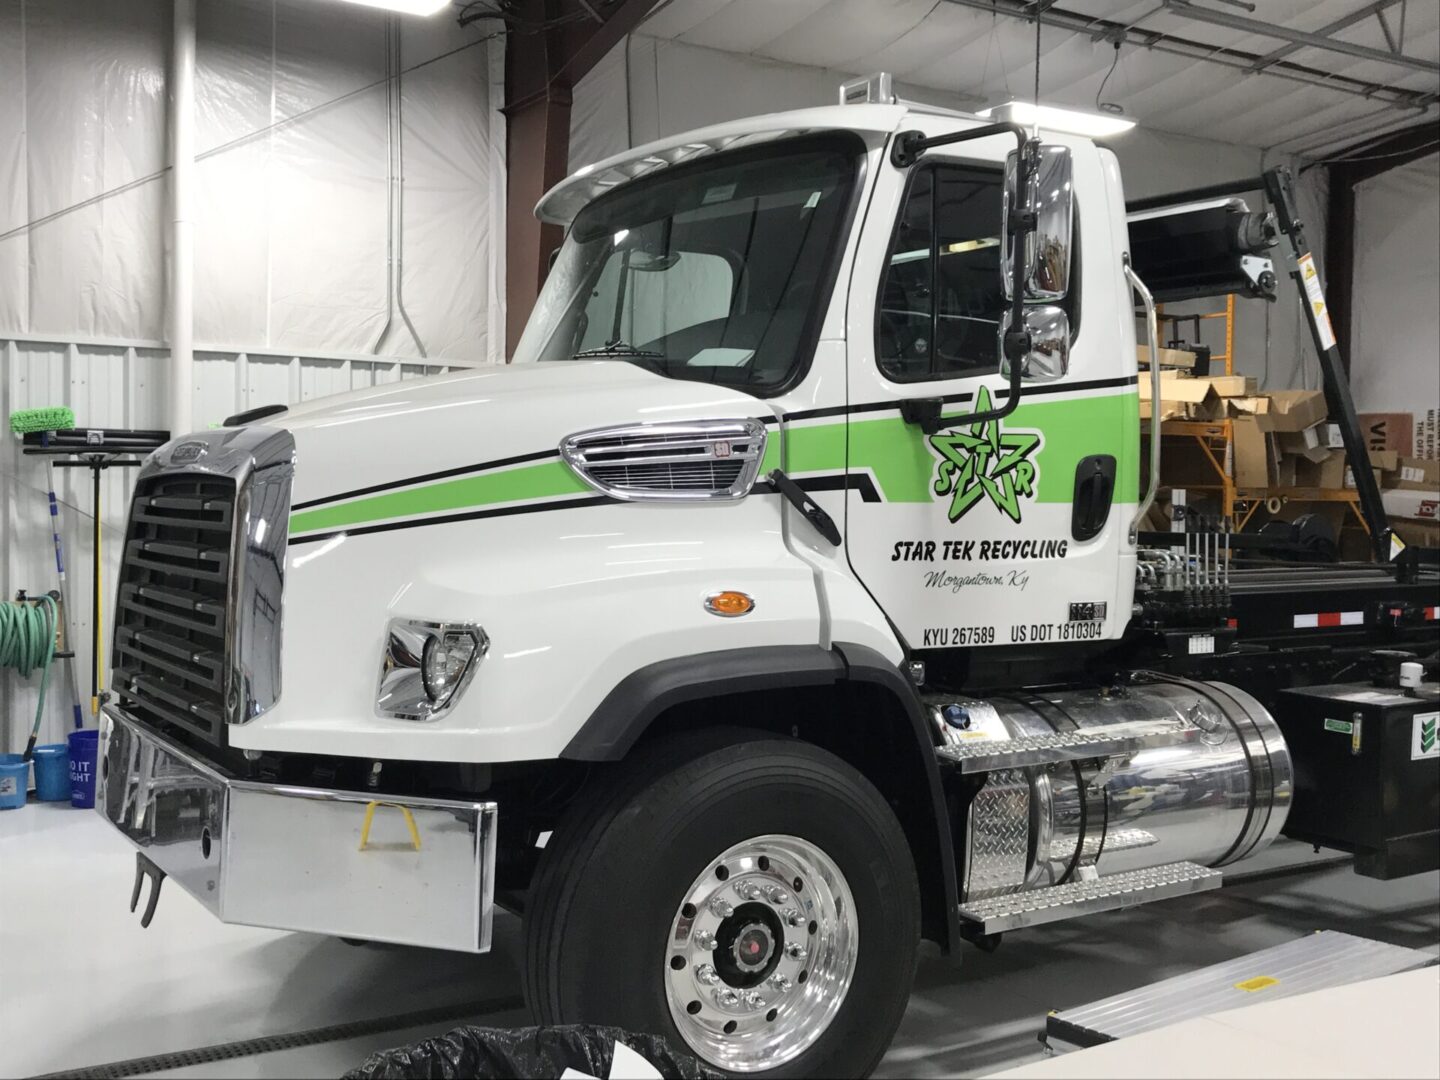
(729, 604)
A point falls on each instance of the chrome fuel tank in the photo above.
(1214, 800)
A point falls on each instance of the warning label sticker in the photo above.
(1310, 278)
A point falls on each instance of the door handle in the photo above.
(1094, 490)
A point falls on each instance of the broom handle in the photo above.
(95, 601)
(78, 715)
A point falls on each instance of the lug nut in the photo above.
(706, 974)
(753, 1000)
(795, 952)
(792, 917)
(777, 895)
(721, 908)
(726, 998)
(780, 982)
(706, 940)
(747, 890)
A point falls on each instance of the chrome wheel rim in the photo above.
(761, 953)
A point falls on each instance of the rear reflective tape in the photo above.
(1329, 618)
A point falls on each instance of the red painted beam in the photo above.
(549, 47)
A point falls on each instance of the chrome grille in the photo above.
(703, 459)
(681, 476)
(171, 612)
(198, 606)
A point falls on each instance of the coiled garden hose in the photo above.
(27, 642)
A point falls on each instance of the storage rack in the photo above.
(1216, 438)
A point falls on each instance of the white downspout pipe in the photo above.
(181, 301)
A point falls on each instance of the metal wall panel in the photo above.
(120, 384)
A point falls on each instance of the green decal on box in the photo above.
(1345, 727)
(1424, 738)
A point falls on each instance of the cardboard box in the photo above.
(1309, 443)
(1427, 435)
(1181, 398)
(1254, 461)
(1294, 410)
(1425, 534)
(1415, 505)
(1333, 439)
(1350, 477)
(1232, 386)
(1169, 358)
(1285, 470)
(1414, 474)
(1327, 472)
(1388, 431)
(1248, 406)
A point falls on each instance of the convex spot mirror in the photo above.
(1049, 355)
(1048, 246)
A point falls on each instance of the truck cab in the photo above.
(781, 603)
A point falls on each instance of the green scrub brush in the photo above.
(25, 421)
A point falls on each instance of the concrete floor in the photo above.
(82, 985)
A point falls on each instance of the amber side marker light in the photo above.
(729, 604)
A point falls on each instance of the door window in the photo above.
(941, 298)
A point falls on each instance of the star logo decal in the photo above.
(982, 461)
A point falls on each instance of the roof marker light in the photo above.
(405, 7)
(1056, 119)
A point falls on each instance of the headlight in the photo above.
(426, 667)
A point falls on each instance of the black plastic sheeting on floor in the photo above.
(470, 1051)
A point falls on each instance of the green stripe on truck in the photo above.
(542, 481)
(894, 451)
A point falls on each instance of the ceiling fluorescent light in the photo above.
(405, 7)
(1055, 119)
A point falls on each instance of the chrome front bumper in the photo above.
(400, 869)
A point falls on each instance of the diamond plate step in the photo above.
(987, 755)
(1108, 893)
(1113, 840)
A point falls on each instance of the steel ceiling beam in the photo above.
(1185, 9)
(1237, 59)
(1385, 29)
(1343, 23)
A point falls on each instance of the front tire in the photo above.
(756, 904)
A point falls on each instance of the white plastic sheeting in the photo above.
(1395, 313)
(293, 143)
(291, 235)
(649, 87)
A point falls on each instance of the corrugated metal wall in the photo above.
(120, 384)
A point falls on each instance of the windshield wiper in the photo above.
(619, 349)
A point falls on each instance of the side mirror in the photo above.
(1048, 357)
(1047, 248)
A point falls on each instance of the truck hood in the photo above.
(473, 421)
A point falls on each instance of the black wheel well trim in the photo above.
(645, 694)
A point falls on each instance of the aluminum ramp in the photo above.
(1317, 962)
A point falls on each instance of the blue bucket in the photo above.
(14, 780)
(52, 772)
(84, 745)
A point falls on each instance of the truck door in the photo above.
(1009, 532)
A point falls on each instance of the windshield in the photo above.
(711, 272)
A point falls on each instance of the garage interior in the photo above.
(221, 213)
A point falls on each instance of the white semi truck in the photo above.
(785, 601)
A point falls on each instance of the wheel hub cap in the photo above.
(761, 953)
